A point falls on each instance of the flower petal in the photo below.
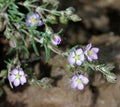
(80, 86)
(14, 71)
(16, 82)
(72, 54)
(71, 60)
(88, 47)
(95, 50)
(74, 78)
(11, 78)
(85, 80)
(53, 42)
(40, 23)
(89, 58)
(82, 58)
(79, 51)
(21, 72)
(33, 16)
(28, 23)
(80, 76)
(28, 16)
(74, 84)
(94, 56)
(86, 53)
(78, 62)
(37, 15)
(23, 80)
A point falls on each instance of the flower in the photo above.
(91, 53)
(56, 40)
(76, 57)
(78, 81)
(17, 77)
(33, 19)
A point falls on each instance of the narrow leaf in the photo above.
(47, 51)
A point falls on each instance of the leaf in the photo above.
(47, 51)
(34, 47)
(10, 50)
(111, 77)
(1, 92)
(25, 47)
(26, 50)
(44, 5)
(14, 15)
(3, 73)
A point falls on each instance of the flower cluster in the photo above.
(78, 56)
(78, 81)
(33, 19)
(17, 77)
(27, 33)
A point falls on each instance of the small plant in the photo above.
(28, 23)
(17, 76)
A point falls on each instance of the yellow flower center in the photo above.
(77, 57)
(17, 76)
(90, 52)
(78, 81)
(33, 20)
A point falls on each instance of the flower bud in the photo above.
(69, 11)
(17, 34)
(8, 33)
(12, 43)
(51, 19)
(63, 20)
(39, 10)
(56, 40)
(49, 30)
(75, 18)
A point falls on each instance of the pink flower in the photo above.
(91, 53)
(17, 77)
(78, 81)
(76, 57)
(56, 40)
(33, 19)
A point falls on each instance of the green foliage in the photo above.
(22, 36)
